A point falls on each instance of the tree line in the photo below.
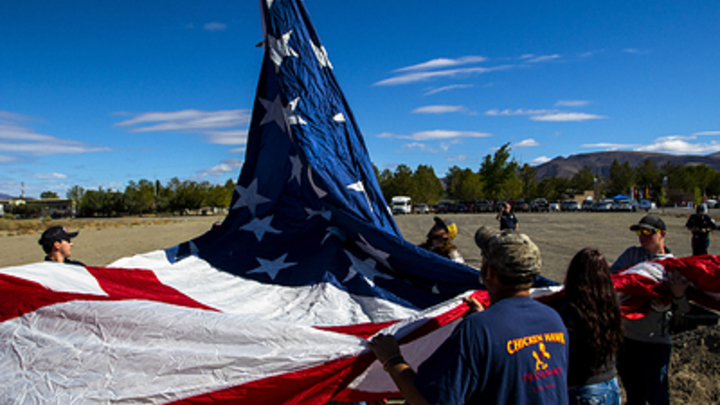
(501, 178)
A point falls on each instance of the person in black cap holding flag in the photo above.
(57, 244)
(644, 359)
(440, 237)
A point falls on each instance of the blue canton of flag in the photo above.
(307, 208)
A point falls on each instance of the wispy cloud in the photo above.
(460, 158)
(441, 63)
(540, 160)
(214, 26)
(636, 51)
(705, 133)
(414, 77)
(571, 103)
(566, 117)
(446, 145)
(439, 109)
(208, 123)
(49, 176)
(519, 111)
(448, 88)
(530, 58)
(420, 146)
(526, 143)
(19, 139)
(608, 146)
(436, 134)
(222, 169)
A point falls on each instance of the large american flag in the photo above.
(271, 306)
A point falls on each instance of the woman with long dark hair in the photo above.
(591, 312)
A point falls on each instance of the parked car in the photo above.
(622, 206)
(602, 206)
(569, 205)
(539, 205)
(484, 206)
(422, 209)
(712, 203)
(587, 205)
(521, 206)
(554, 206)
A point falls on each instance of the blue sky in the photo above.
(97, 93)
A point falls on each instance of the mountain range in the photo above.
(600, 162)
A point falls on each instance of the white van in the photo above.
(401, 205)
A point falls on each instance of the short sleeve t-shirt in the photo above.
(514, 352)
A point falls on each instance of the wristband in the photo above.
(393, 361)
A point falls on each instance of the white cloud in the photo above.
(436, 134)
(705, 133)
(439, 109)
(540, 160)
(571, 103)
(237, 150)
(526, 143)
(7, 159)
(448, 88)
(420, 146)
(608, 146)
(238, 137)
(49, 176)
(214, 26)
(207, 123)
(565, 116)
(225, 167)
(446, 145)
(636, 51)
(542, 58)
(519, 111)
(187, 120)
(24, 140)
(460, 158)
(440, 63)
(414, 77)
(680, 144)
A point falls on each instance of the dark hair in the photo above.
(589, 288)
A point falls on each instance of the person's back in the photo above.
(514, 352)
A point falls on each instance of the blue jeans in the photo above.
(604, 393)
(643, 369)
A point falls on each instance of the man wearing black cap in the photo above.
(645, 357)
(56, 242)
(513, 352)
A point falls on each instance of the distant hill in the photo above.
(4, 196)
(600, 162)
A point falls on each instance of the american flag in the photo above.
(272, 305)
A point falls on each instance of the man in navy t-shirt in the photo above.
(513, 352)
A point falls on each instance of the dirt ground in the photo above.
(695, 368)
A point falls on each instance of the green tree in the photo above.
(583, 180)
(140, 196)
(496, 172)
(75, 193)
(463, 184)
(528, 177)
(554, 188)
(648, 178)
(428, 187)
(48, 194)
(402, 182)
(621, 178)
(220, 195)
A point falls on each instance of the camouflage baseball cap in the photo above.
(511, 253)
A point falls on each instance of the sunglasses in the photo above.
(647, 232)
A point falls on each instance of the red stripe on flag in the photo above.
(21, 296)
